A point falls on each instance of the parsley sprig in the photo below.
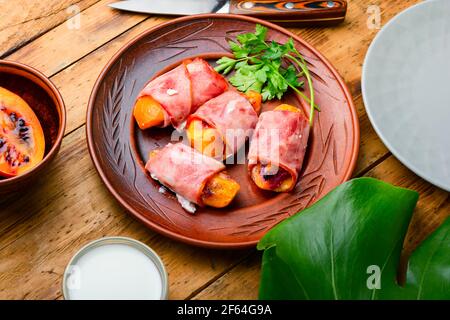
(266, 67)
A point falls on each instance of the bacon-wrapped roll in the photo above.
(194, 177)
(165, 100)
(173, 96)
(220, 127)
(278, 148)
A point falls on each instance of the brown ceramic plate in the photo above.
(119, 149)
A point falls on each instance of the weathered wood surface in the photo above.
(43, 227)
(23, 21)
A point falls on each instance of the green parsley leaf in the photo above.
(269, 68)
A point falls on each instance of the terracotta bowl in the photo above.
(46, 101)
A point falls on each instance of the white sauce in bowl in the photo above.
(113, 271)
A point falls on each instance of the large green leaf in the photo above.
(428, 275)
(330, 250)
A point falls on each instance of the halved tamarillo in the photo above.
(22, 143)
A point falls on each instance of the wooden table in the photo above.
(41, 228)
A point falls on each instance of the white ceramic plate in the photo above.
(406, 89)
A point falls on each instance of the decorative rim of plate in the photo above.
(156, 227)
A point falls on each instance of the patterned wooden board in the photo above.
(119, 150)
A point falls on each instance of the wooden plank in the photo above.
(26, 20)
(62, 46)
(75, 82)
(432, 209)
(241, 283)
(71, 207)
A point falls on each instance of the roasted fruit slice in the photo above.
(255, 99)
(148, 113)
(22, 143)
(268, 177)
(220, 190)
(287, 107)
(205, 139)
